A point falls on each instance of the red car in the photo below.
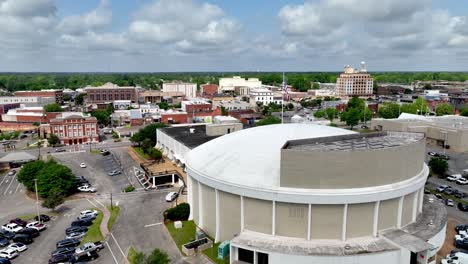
(19, 222)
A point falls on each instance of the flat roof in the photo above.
(183, 135)
(379, 140)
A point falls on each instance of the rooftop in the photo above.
(356, 142)
(109, 86)
(183, 134)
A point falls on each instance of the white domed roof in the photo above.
(251, 157)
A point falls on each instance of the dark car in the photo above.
(91, 255)
(29, 231)
(44, 218)
(61, 258)
(60, 150)
(105, 153)
(82, 223)
(463, 244)
(449, 191)
(7, 234)
(461, 227)
(462, 207)
(23, 238)
(68, 243)
(63, 251)
(19, 222)
(4, 261)
(76, 229)
(4, 242)
(444, 156)
(459, 250)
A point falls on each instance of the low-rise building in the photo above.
(4, 108)
(156, 97)
(222, 97)
(232, 105)
(110, 92)
(243, 86)
(261, 96)
(56, 94)
(122, 104)
(174, 117)
(195, 106)
(27, 100)
(188, 89)
(75, 128)
(208, 90)
(132, 117)
(28, 115)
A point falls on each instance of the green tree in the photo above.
(163, 105)
(147, 144)
(464, 111)
(54, 176)
(438, 166)
(331, 113)
(351, 116)
(54, 199)
(319, 114)
(316, 85)
(79, 99)
(148, 132)
(421, 106)
(389, 110)
(154, 153)
(268, 120)
(444, 109)
(102, 116)
(53, 108)
(29, 172)
(158, 257)
(224, 112)
(356, 102)
(366, 115)
(53, 140)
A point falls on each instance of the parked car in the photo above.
(449, 202)
(60, 258)
(7, 234)
(76, 235)
(433, 154)
(23, 238)
(89, 247)
(19, 222)
(5, 261)
(44, 218)
(86, 188)
(114, 172)
(448, 191)
(87, 213)
(36, 225)
(463, 244)
(171, 196)
(8, 253)
(462, 181)
(454, 177)
(441, 188)
(81, 223)
(11, 172)
(12, 227)
(60, 150)
(29, 231)
(63, 251)
(74, 229)
(4, 242)
(89, 256)
(67, 243)
(463, 207)
(438, 195)
(18, 246)
(82, 165)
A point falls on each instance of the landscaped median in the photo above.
(114, 212)
(94, 231)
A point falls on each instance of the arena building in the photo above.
(301, 193)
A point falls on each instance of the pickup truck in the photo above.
(12, 227)
(89, 247)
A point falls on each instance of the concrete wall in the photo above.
(222, 129)
(324, 169)
(209, 210)
(291, 220)
(326, 221)
(258, 215)
(388, 214)
(195, 200)
(229, 215)
(360, 220)
(407, 212)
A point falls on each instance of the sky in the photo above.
(227, 35)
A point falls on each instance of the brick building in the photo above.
(75, 128)
(159, 96)
(57, 94)
(110, 92)
(28, 115)
(208, 90)
(355, 82)
(4, 108)
(196, 106)
(170, 117)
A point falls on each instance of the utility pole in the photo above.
(111, 201)
(37, 201)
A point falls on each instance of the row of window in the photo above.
(98, 97)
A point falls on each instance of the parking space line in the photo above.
(4, 178)
(112, 253)
(155, 224)
(9, 186)
(121, 251)
(92, 203)
(17, 187)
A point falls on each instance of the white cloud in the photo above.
(92, 21)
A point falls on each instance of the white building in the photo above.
(122, 104)
(261, 95)
(232, 105)
(189, 89)
(29, 101)
(242, 85)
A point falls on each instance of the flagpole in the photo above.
(282, 100)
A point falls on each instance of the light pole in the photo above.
(37, 201)
(445, 139)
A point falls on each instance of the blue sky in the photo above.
(226, 35)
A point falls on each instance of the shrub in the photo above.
(129, 188)
(180, 212)
(438, 166)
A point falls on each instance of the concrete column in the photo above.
(273, 220)
(190, 195)
(200, 206)
(173, 178)
(154, 182)
(345, 219)
(421, 200)
(255, 257)
(242, 213)
(217, 235)
(415, 206)
(400, 211)
(309, 220)
(376, 218)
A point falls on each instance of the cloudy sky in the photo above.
(228, 35)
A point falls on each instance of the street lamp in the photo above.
(37, 201)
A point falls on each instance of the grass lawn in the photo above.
(131, 254)
(212, 253)
(94, 232)
(95, 151)
(183, 235)
(140, 152)
(114, 213)
(28, 217)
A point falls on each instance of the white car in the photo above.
(19, 247)
(463, 232)
(450, 261)
(89, 247)
(460, 237)
(82, 165)
(8, 253)
(76, 235)
(36, 225)
(12, 227)
(454, 177)
(86, 188)
(171, 196)
(449, 202)
(88, 213)
(462, 181)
